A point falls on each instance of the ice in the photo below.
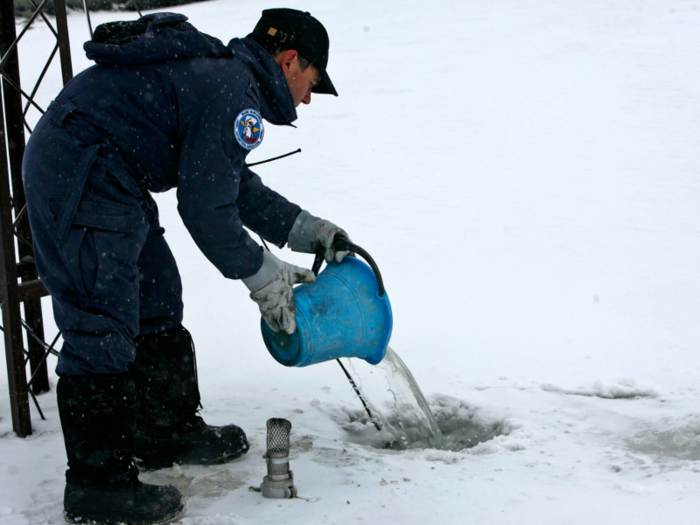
(622, 389)
(671, 440)
(197, 482)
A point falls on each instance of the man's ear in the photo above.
(285, 58)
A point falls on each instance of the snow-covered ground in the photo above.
(525, 173)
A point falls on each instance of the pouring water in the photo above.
(400, 407)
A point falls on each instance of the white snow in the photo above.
(525, 173)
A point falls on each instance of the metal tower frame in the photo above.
(20, 287)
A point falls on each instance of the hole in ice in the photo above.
(460, 425)
(402, 419)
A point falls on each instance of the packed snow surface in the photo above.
(525, 174)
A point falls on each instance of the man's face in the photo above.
(300, 82)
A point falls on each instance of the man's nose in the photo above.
(307, 97)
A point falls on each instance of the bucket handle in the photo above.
(342, 243)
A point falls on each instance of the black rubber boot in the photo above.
(168, 429)
(102, 485)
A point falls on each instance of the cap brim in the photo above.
(325, 87)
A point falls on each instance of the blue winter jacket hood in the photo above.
(153, 38)
(159, 37)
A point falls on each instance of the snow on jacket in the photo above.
(168, 101)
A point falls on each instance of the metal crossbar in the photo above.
(20, 287)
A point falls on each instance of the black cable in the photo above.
(136, 5)
(273, 158)
(357, 391)
(87, 14)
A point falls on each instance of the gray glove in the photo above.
(309, 232)
(272, 289)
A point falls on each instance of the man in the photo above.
(166, 107)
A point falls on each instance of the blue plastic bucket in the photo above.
(340, 315)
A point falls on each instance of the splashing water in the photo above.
(409, 421)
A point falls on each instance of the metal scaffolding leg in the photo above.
(19, 281)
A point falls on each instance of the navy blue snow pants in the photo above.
(99, 247)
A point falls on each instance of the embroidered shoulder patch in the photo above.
(249, 129)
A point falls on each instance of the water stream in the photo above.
(404, 416)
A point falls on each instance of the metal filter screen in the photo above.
(278, 430)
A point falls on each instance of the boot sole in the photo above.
(124, 520)
(158, 463)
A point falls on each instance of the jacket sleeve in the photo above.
(265, 211)
(209, 179)
(217, 195)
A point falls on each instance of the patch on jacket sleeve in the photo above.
(249, 129)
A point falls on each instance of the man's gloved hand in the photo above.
(272, 289)
(309, 232)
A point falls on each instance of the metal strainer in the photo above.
(279, 482)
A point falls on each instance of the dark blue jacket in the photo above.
(168, 102)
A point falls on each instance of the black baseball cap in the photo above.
(300, 31)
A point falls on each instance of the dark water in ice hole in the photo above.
(405, 417)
